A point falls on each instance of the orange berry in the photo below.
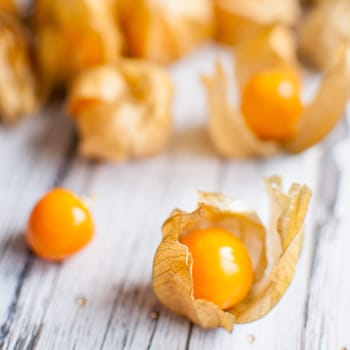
(59, 225)
(222, 271)
(271, 104)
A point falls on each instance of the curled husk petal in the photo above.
(237, 21)
(162, 30)
(272, 48)
(327, 107)
(227, 129)
(324, 31)
(123, 110)
(274, 253)
(73, 36)
(18, 90)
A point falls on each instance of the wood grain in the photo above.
(102, 297)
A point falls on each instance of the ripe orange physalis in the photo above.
(60, 225)
(222, 270)
(271, 104)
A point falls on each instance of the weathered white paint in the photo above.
(129, 202)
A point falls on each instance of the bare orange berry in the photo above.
(59, 225)
(271, 104)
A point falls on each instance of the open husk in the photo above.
(162, 30)
(272, 48)
(18, 90)
(274, 252)
(324, 31)
(122, 111)
(237, 21)
(72, 36)
(228, 130)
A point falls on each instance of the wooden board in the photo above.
(102, 298)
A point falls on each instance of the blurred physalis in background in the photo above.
(324, 31)
(18, 89)
(163, 30)
(271, 118)
(122, 111)
(238, 20)
(72, 36)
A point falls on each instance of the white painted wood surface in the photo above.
(41, 304)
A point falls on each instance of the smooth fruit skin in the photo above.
(271, 104)
(222, 271)
(59, 225)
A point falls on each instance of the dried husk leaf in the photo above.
(273, 269)
(73, 36)
(227, 129)
(324, 31)
(272, 48)
(327, 108)
(162, 30)
(17, 81)
(283, 243)
(237, 21)
(122, 111)
(9, 7)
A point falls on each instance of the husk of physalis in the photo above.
(122, 111)
(273, 250)
(18, 88)
(324, 31)
(72, 36)
(274, 47)
(8, 6)
(228, 130)
(162, 30)
(237, 21)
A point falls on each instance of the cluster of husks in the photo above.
(88, 37)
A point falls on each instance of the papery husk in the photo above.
(327, 107)
(122, 111)
(237, 21)
(324, 31)
(162, 30)
(228, 131)
(272, 48)
(18, 88)
(73, 36)
(274, 253)
(8, 6)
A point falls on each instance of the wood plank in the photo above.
(32, 157)
(326, 317)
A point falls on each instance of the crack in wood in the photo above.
(35, 337)
(188, 340)
(156, 321)
(6, 326)
(12, 310)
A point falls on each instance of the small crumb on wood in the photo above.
(251, 338)
(154, 315)
(81, 301)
